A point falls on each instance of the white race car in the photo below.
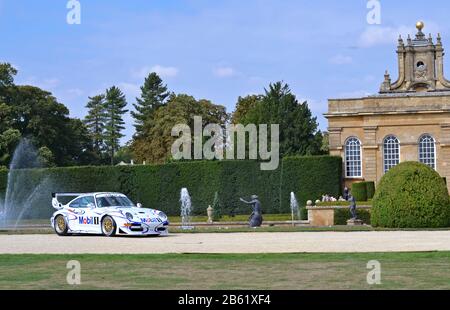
(105, 213)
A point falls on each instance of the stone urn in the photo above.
(210, 212)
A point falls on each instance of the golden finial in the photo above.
(420, 25)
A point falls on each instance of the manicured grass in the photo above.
(269, 271)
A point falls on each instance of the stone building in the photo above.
(409, 120)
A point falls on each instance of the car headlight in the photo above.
(129, 216)
(162, 216)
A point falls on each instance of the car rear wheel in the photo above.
(60, 226)
(108, 226)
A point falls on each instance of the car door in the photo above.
(86, 220)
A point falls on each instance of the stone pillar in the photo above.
(335, 141)
(370, 149)
(443, 159)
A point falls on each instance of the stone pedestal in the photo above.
(324, 216)
(355, 222)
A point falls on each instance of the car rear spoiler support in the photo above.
(55, 202)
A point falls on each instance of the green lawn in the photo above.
(269, 271)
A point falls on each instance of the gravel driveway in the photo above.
(293, 242)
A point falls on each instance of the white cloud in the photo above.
(341, 60)
(130, 90)
(224, 72)
(76, 92)
(378, 35)
(46, 84)
(163, 72)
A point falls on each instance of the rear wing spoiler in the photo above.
(55, 202)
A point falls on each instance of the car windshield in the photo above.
(114, 201)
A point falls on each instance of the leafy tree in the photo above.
(46, 157)
(243, 107)
(155, 145)
(123, 154)
(27, 111)
(8, 141)
(7, 73)
(299, 133)
(325, 149)
(38, 115)
(153, 95)
(95, 122)
(115, 105)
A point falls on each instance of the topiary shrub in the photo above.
(411, 195)
(370, 188)
(342, 215)
(359, 191)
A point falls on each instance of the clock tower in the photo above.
(420, 65)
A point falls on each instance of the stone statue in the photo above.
(352, 206)
(256, 218)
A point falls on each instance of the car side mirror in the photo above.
(139, 205)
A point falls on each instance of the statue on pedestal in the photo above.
(256, 218)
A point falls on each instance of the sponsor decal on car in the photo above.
(150, 220)
(76, 211)
(88, 220)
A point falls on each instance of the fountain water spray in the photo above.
(186, 209)
(295, 210)
(16, 202)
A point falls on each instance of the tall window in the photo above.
(391, 147)
(427, 151)
(353, 158)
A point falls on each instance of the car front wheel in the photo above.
(60, 226)
(108, 226)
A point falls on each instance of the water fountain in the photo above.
(186, 209)
(295, 210)
(17, 200)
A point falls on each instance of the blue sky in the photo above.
(216, 49)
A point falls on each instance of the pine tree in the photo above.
(153, 96)
(115, 104)
(95, 121)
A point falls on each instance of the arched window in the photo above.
(391, 148)
(427, 151)
(353, 158)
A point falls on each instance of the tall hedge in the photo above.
(359, 191)
(411, 195)
(3, 179)
(159, 186)
(309, 178)
(370, 187)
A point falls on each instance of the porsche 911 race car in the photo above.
(105, 213)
